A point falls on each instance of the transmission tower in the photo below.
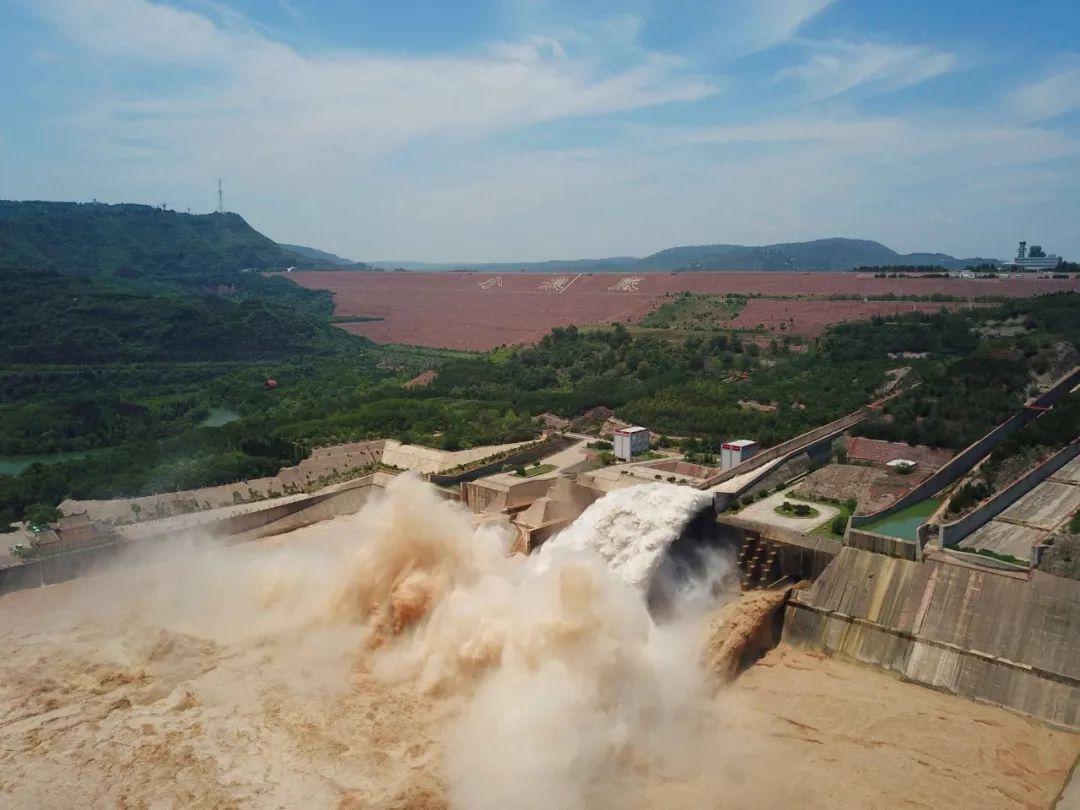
(220, 198)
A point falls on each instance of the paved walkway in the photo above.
(763, 512)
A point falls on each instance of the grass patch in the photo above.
(994, 555)
(695, 312)
(796, 510)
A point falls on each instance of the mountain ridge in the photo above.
(318, 256)
(830, 254)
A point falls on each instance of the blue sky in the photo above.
(531, 129)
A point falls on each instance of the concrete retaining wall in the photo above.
(780, 471)
(973, 632)
(882, 544)
(784, 448)
(240, 528)
(802, 556)
(524, 456)
(59, 568)
(952, 533)
(963, 461)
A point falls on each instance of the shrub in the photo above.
(40, 514)
(839, 524)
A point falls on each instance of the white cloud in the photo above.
(838, 66)
(1050, 97)
(242, 84)
(750, 26)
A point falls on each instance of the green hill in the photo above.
(323, 260)
(90, 283)
(132, 241)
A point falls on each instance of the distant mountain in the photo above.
(91, 238)
(819, 254)
(323, 259)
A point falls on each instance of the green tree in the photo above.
(39, 515)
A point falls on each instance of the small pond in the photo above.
(218, 417)
(905, 523)
(14, 465)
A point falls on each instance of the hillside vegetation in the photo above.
(323, 260)
(131, 241)
(125, 351)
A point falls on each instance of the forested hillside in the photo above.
(49, 317)
(131, 241)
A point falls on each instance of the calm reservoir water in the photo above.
(14, 465)
(905, 522)
(218, 417)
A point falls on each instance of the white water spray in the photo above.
(631, 529)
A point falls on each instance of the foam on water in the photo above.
(631, 529)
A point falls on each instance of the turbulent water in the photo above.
(631, 529)
(565, 671)
(398, 658)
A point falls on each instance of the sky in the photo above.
(449, 130)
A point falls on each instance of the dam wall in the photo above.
(984, 635)
(883, 544)
(798, 556)
(345, 499)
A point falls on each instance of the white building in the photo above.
(736, 452)
(1034, 259)
(630, 442)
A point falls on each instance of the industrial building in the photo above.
(736, 452)
(630, 442)
(1034, 258)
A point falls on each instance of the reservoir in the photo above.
(14, 465)
(218, 417)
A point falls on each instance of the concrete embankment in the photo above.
(966, 459)
(952, 534)
(794, 555)
(975, 633)
(251, 525)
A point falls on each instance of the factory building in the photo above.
(736, 452)
(1034, 258)
(630, 442)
